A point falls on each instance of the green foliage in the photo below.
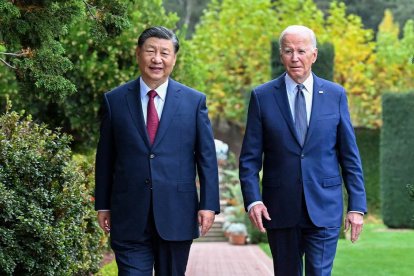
(354, 64)
(47, 220)
(324, 65)
(394, 66)
(396, 156)
(368, 145)
(31, 32)
(233, 60)
(99, 65)
(378, 252)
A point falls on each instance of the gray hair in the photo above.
(298, 29)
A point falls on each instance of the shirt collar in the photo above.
(291, 84)
(161, 90)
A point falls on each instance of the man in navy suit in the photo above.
(155, 138)
(299, 131)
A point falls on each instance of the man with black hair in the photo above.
(155, 138)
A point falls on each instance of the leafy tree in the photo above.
(354, 59)
(371, 11)
(389, 58)
(189, 12)
(234, 59)
(30, 35)
(99, 64)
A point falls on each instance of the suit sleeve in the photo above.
(104, 161)
(350, 160)
(207, 168)
(251, 155)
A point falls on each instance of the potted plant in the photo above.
(237, 233)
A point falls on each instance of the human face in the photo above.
(298, 55)
(156, 60)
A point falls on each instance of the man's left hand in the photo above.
(205, 220)
(355, 221)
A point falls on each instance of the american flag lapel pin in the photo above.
(320, 92)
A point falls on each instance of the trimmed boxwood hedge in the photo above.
(397, 159)
(368, 145)
(47, 222)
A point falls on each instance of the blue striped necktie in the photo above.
(301, 123)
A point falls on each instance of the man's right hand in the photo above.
(256, 213)
(104, 220)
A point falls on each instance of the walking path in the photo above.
(224, 259)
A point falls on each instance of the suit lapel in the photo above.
(171, 105)
(283, 103)
(135, 108)
(317, 100)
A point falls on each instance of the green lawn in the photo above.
(379, 251)
(109, 270)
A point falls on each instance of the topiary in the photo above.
(47, 222)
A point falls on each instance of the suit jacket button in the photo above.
(302, 156)
(147, 181)
(152, 156)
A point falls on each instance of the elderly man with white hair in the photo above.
(300, 133)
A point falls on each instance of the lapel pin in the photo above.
(320, 92)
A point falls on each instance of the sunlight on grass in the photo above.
(379, 252)
(109, 270)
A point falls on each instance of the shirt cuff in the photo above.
(209, 211)
(253, 204)
(358, 212)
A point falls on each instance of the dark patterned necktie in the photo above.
(152, 116)
(301, 124)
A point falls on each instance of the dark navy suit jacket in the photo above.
(329, 152)
(129, 170)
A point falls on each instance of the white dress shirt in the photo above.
(159, 100)
(291, 89)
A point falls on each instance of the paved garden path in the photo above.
(224, 259)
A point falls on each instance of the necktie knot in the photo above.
(152, 94)
(301, 123)
(300, 87)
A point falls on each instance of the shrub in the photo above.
(368, 144)
(47, 222)
(396, 159)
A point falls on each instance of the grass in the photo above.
(379, 252)
(110, 269)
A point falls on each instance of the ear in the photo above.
(137, 52)
(175, 59)
(315, 55)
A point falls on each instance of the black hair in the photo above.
(159, 32)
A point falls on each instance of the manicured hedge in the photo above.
(368, 145)
(47, 222)
(397, 159)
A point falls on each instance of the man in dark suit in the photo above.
(299, 130)
(155, 138)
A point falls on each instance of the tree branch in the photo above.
(7, 64)
(89, 7)
(21, 54)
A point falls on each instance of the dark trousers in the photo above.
(139, 258)
(317, 245)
